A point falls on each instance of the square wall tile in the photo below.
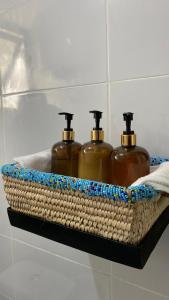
(1, 134)
(96, 263)
(154, 276)
(138, 38)
(123, 290)
(53, 43)
(39, 276)
(6, 285)
(32, 123)
(5, 227)
(4, 221)
(149, 100)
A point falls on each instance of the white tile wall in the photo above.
(122, 289)
(39, 275)
(73, 53)
(138, 33)
(6, 289)
(148, 99)
(80, 55)
(5, 229)
(1, 132)
(4, 222)
(31, 110)
(154, 276)
(8, 4)
(91, 261)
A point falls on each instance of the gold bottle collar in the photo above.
(97, 135)
(128, 140)
(68, 135)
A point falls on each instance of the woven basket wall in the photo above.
(122, 221)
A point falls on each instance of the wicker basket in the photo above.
(117, 213)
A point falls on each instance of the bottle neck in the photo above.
(68, 136)
(97, 135)
(128, 140)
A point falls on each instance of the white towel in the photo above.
(39, 161)
(159, 179)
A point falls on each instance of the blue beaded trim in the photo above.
(88, 187)
(157, 160)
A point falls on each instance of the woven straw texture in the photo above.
(117, 220)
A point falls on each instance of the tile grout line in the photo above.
(108, 108)
(137, 286)
(88, 267)
(12, 254)
(139, 78)
(107, 38)
(2, 120)
(5, 236)
(53, 89)
(3, 157)
(56, 255)
(108, 70)
(52, 253)
(108, 82)
(12, 258)
(111, 278)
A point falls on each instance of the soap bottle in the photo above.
(129, 162)
(65, 153)
(95, 156)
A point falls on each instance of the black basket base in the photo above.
(133, 256)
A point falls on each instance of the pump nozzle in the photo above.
(128, 117)
(68, 133)
(97, 116)
(97, 134)
(128, 138)
(68, 118)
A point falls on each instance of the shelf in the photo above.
(133, 256)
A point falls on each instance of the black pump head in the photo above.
(128, 117)
(68, 118)
(97, 116)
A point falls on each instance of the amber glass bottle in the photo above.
(129, 162)
(95, 156)
(65, 153)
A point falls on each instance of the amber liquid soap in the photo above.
(95, 156)
(65, 154)
(129, 161)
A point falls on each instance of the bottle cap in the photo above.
(128, 138)
(68, 133)
(97, 134)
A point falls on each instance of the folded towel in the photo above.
(39, 161)
(159, 179)
(153, 168)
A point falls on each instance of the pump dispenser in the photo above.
(95, 156)
(68, 133)
(128, 138)
(129, 161)
(97, 134)
(65, 153)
